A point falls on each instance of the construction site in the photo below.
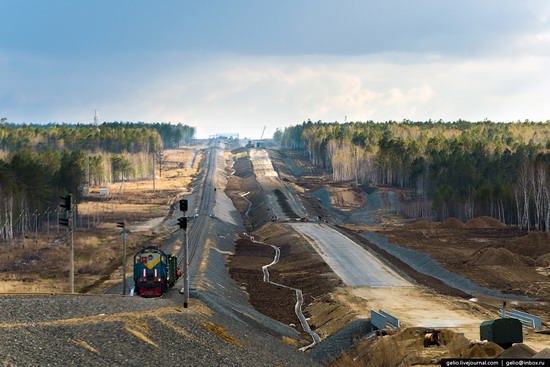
(448, 277)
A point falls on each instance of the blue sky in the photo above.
(235, 66)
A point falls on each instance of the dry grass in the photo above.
(82, 343)
(290, 341)
(138, 334)
(346, 361)
(220, 331)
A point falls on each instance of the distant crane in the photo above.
(263, 131)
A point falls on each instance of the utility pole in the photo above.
(153, 172)
(183, 225)
(36, 226)
(124, 236)
(68, 221)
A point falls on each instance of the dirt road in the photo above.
(282, 201)
(355, 266)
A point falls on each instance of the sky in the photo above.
(237, 66)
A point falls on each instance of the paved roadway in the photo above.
(352, 263)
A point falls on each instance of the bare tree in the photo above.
(522, 195)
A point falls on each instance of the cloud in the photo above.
(245, 93)
(236, 93)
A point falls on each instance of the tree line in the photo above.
(462, 169)
(38, 163)
(113, 137)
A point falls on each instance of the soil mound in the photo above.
(480, 350)
(534, 244)
(496, 256)
(452, 223)
(543, 260)
(518, 351)
(484, 222)
(545, 353)
(421, 224)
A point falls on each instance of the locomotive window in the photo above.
(138, 259)
(163, 259)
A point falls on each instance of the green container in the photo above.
(503, 332)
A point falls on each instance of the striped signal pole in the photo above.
(68, 221)
(183, 225)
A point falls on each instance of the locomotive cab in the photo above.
(152, 272)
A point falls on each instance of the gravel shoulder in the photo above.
(131, 331)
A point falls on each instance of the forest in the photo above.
(461, 169)
(38, 163)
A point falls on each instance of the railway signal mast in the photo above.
(183, 225)
(67, 220)
(124, 236)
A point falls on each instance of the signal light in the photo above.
(66, 202)
(182, 222)
(121, 225)
(183, 205)
(64, 222)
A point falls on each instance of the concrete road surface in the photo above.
(353, 264)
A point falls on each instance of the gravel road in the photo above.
(355, 266)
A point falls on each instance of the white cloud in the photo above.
(242, 94)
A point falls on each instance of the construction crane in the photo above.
(263, 131)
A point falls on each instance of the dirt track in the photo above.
(299, 266)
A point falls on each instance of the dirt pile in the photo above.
(534, 244)
(480, 350)
(484, 222)
(346, 198)
(452, 223)
(518, 351)
(497, 256)
(544, 260)
(545, 353)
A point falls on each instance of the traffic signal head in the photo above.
(182, 222)
(183, 205)
(64, 222)
(66, 202)
(121, 225)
